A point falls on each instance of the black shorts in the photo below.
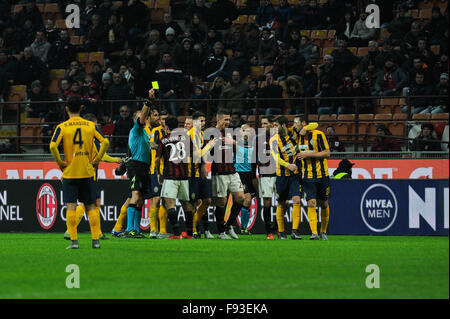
(154, 187)
(247, 180)
(84, 190)
(199, 188)
(288, 187)
(317, 188)
(137, 173)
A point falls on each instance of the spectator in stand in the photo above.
(170, 80)
(268, 48)
(344, 59)
(12, 40)
(75, 90)
(114, 36)
(400, 25)
(252, 94)
(236, 89)
(295, 62)
(313, 19)
(129, 58)
(170, 23)
(236, 120)
(189, 62)
(151, 57)
(329, 70)
(283, 14)
(136, 17)
(8, 67)
(441, 103)
(29, 12)
(63, 90)
(86, 15)
(309, 80)
(7, 147)
(91, 101)
(53, 116)
(235, 39)
(426, 140)
(331, 12)
(265, 13)
(215, 62)
(325, 106)
(361, 34)
(154, 38)
(117, 91)
(50, 31)
(105, 10)
(390, 81)
(424, 52)
(435, 29)
(143, 80)
(31, 68)
(345, 90)
(360, 90)
(252, 42)
(388, 52)
(122, 128)
(37, 94)
(196, 8)
(333, 140)
(215, 92)
(41, 47)
(298, 18)
(384, 142)
(75, 73)
(344, 169)
(221, 14)
(294, 37)
(418, 66)
(106, 83)
(26, 34)
(170, 44)
(95, 34)
(279, 65)
(345, 27)
(238, 62)
(409, 42)
(442, 66)
(62, 52)
(198, 29)
(198, 94)
(305, 47)
(212, 37)
(294, 90)
(272, 91)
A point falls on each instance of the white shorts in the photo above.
(267, 186)
(175, 189)
(221, 184)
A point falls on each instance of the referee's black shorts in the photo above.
(247, 180)
(137, 173)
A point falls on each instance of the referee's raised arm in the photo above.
(146, 108)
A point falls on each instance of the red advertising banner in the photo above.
(363, 169)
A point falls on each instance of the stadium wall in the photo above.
(358, 207)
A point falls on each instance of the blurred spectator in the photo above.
(215, 62)
(344, 170)
(151, 57)
(196, 8)
(212, 37)
(7, 147)
(272, 91)
(63, 89)
(29, 12)
(117, 91)
(328, 70)
(154, 38)
(426, 140)
(114, 36)
(344, 59)
(360, 90)
(265, 13)
(215, 92)
(384, 142)
(91, 101)
(345, 26)
(306, 49)
(409, 42)
(294, 90)
(75, 72)
(441, 103)
(309, 80)
(295, 62)
(136, 17)
(129, 58)
(283, 14)
(122, 127)
(41, 47)
(298, 17)
(75, 89)
(331, 12)
(268, 48)
(8, 68)
(31, 68)
(418, 66)
(236, 89)
(399, 26)
(325, 106)
(236, 120)
(170, 23)
(361, 34)
(419, 88)
(221, 14)
(50, 31)
(294, 38)
(62, 52)
(26, 34)
(238, 62)
(189, 62)
(313, 19)
(170, 79)
(143, 80)
(198, 94)
(435, 28)
(52, 118)
(105, 10)
(388, 52)
(252, 42)
(442, 66)
(198, 28)
(37, 94)
(95, 34)
(333, 140)
(390, 81)
(345, 89)
(424, 52)
(105, 84)
(279, 65)
(252, 94)
(235, 39)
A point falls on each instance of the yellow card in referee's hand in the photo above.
(155, 85)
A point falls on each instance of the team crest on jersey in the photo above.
(311, 141)
(253, 215)
(46, 206)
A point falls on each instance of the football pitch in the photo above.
(34, 266)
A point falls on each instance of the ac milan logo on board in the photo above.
(46, 206)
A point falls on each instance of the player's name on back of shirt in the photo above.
(76, 123)
(174, 138)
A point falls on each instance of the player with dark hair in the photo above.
(79, 165)
(174, 150)
(314, 151)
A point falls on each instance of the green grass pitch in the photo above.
(34, 266)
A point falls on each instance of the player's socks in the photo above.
(325, 217)
(153, 216)
(122, 217)
(130, 217)
(137, 219)
(79, 213)
(162, 214)
(189, 221)
(173, 219)
(235, 210)
(312, 216)
(94, 223)
(245, 217)
(205, 222)
(71, 222)
(280, 219)
(220, 215)
(267, 219)
(201, 210)
(296, 211)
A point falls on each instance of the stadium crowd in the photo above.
(209, 52)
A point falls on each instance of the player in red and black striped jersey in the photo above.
(175, 148)
(225, 178)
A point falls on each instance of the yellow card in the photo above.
(155, 85)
